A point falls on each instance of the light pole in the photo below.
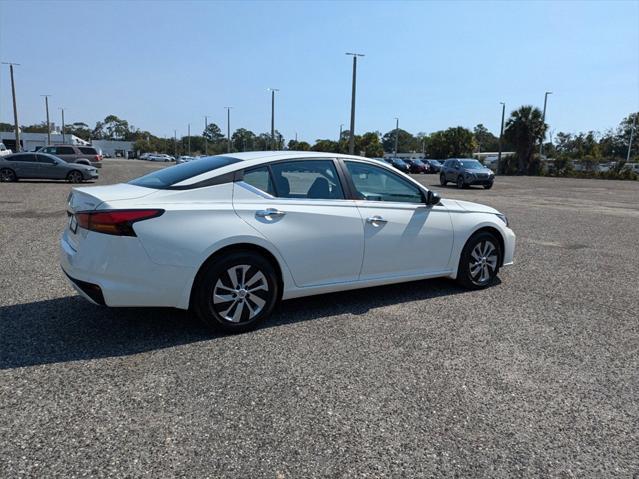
(15, 108)
(396, 135)
(501, 132)
(273, 90)
(175, 144)
(632, 131)
(188, 138)
(339, 139)
(228, 126)
(543, 120)
(46, 106)
(64, 140)
(351, 139)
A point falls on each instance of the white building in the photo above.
(33, 141)
(115, 148)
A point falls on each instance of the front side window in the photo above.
(308, 179)
(50, 149)
(373, 183)
(46, 159)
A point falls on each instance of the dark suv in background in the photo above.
(83, 155)
(465, 172)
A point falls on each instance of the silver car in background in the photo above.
(43, 166)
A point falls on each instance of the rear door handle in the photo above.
(376, 220)
(270, 212)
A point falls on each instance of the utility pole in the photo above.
(543, 120)
(341, 125)
(64, 141)
(501, 133)
(46, 105)
(228, 126)
(175, 144)
(396, 135)
(273, 90)
(189, 138)
(632, 131)
(351, 140)
(15, 107)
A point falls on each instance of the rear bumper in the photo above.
(120, 269)
(97, 164)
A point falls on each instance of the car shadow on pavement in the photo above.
(72, 329)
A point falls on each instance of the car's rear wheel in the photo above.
(479, 261)
(74, 177)
(460, 182)
(442, 179)
(235, 293)
(8, 175)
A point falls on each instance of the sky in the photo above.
(163, 65)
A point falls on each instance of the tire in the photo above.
(74, 176)
(460, 182)
(479, 261)
(442, 179)
(7, 175)
(236, 304)
(488, 186)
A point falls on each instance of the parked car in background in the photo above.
(83, 155)
(183, 159)
(400, 164)
(417, 166)
(4, 151)
(43, 166)
(465, 172)
(158, 158)
(435, 165)
(229, 236)
(634, 167)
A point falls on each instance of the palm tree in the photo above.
(523, 129)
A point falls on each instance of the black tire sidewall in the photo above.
(463, 269)
(202, 301)
(442, 179)
(460, 186)
(14, 177)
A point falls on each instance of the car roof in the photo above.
(256, 158)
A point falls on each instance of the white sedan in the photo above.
(229, 236)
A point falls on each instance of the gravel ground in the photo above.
(536, 376)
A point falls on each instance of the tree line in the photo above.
(523, 132)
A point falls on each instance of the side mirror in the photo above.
(432, 198)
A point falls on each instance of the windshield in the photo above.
(471, 164)
(167, 177)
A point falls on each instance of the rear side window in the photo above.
(260, 178)
(22, 157)
(168, 177)
(88, 151)
(308, 179)
(65, 150)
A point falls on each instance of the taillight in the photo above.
(114, 222)
(98, 158)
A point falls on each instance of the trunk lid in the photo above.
(91, 197)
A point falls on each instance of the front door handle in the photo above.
(270, 212)
(376, 220)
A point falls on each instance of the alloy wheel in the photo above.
(75, 177)
(483, 262)
(7, 175)
(460, 182)
(240, 293)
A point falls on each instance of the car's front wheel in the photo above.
(74, 177)
(488, 186)
(479, 261)
(7, 175)
(442, 179)
(460, 182)
(235, 293)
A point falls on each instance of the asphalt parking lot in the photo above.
(536, 376)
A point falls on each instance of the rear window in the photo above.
(172, 175)
(88, 151)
